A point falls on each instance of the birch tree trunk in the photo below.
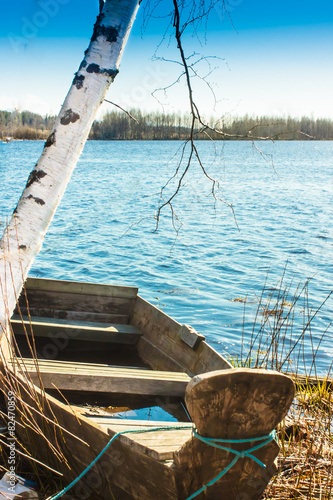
(24, 235)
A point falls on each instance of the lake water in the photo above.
(282, 197)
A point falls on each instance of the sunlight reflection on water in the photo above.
(103, 230)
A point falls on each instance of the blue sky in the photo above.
(274, 58)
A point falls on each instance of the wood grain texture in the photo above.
(171, 465)
(41, 299)
(75, 330)
(196, 464)
(238, 403)
(156, 358)
(163, 332)
(79, 287)
(72, 315)
(104, 378)
(134, 473)
(160, 445)
(232, 404)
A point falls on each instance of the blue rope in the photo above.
(210, 441)
(73, 483)
(239, 454)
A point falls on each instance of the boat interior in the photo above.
(106, 351)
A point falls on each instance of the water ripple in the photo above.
(103, 230)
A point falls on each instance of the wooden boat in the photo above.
(106, 343)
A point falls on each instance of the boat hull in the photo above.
(81, 323)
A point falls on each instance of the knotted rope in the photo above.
(209, 441)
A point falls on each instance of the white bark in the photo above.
(24, 235)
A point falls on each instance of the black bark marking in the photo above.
(50, 140)
(39, 201)
(111, 72)
(35, 176)
(78, 81)
(110, 33)
(93, 68)
(69, 117)
(23, 247)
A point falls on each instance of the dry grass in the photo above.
(35, 424)
(305, 464)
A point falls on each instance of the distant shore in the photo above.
(136, 125)
(175, 140)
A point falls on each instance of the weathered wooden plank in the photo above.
(93, 367)
(96, 368)
(163, 332)
(160, 445)
(156, 358)
(74, 315)
(79, 287)
(72, 329)
(104, 378)
(114, 422)
(77, 302)
(121, 465)
(108, 383)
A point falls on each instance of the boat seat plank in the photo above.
(104, 378)
(77, 302)
(78, 287)
(74, 329)
(45, 312)
(160, 445)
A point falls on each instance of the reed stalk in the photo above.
(305, 464)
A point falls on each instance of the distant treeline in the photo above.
(24, 125)
(117, 125)
(157, 126)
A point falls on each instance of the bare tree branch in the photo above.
(194, 14)
(122, 109)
